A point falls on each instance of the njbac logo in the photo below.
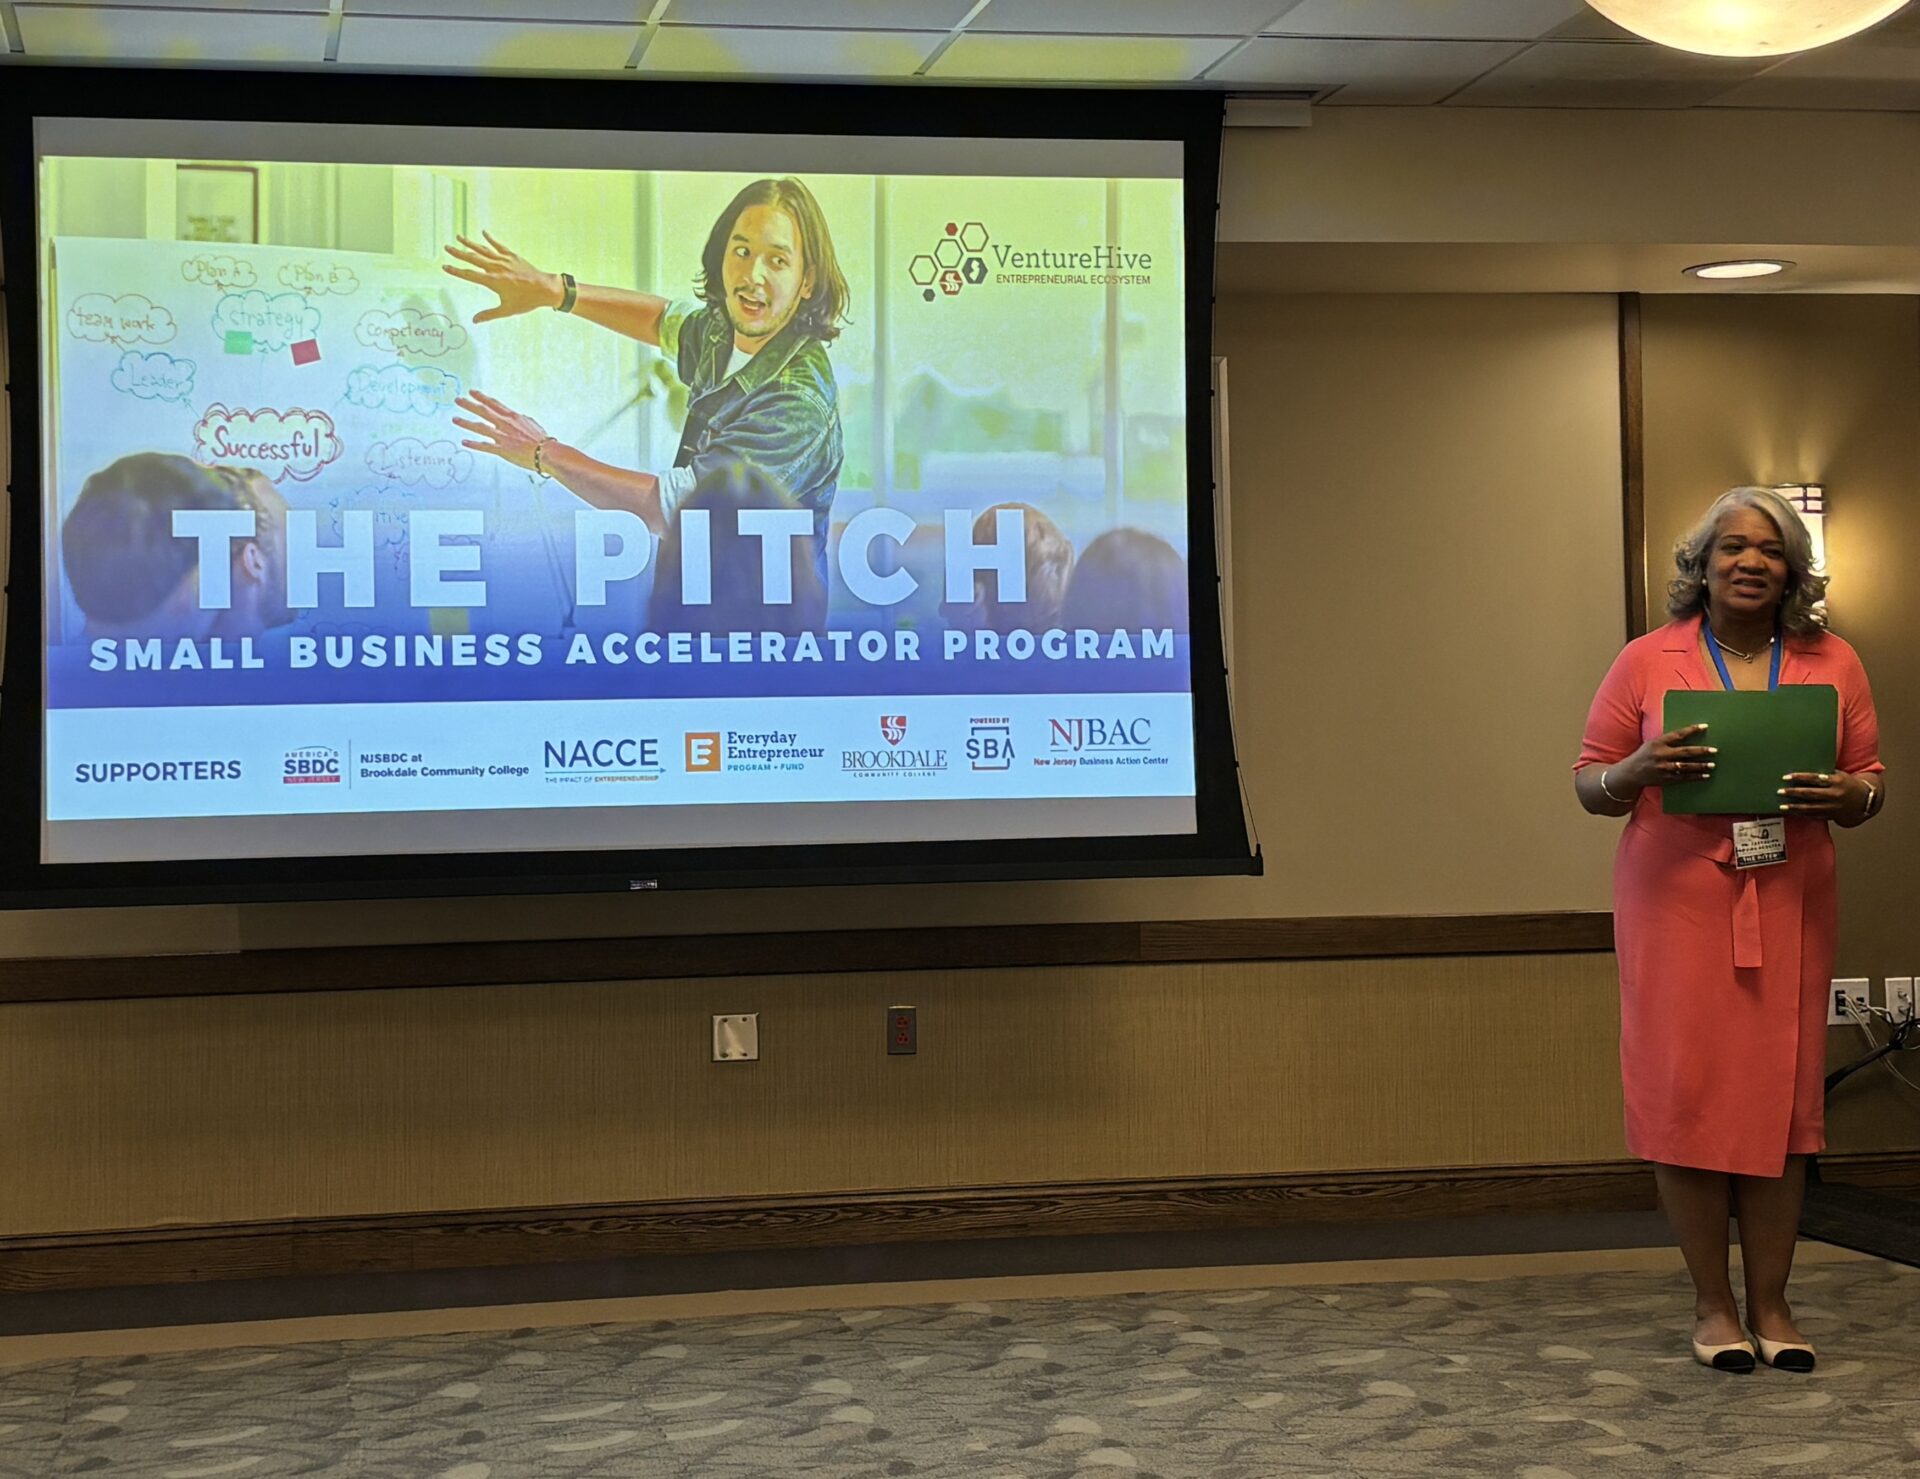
(1099, 734)
(990, 744)
(954, 263)
(311, 765)
(893, 728)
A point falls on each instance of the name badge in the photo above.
(1760, 844)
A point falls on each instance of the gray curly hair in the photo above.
(1801, 611)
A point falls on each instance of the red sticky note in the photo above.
(306, 351)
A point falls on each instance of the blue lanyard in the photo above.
(1773, 674)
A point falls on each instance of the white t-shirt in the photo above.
(677, 482)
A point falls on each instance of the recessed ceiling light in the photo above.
(1745, 27)
(1747, 267)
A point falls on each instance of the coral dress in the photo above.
(1723, 973)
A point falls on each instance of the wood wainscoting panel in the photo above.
(580, 1234)
(241, 1109)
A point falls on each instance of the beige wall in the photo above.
(1782, 389)
(288, 1106)
(1427, 571)
(1586, 175)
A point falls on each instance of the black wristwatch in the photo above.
(569, 293)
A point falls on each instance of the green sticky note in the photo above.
(1761, 737)
(239, 341)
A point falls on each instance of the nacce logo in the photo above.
(626, 756)
(311, 765)
(990, 744)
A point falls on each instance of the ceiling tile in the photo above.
(852, 15)
(1128, 17)
(1079, 58)
(715, 51)
(442, 45)
(632, 12)
(1428, 20)
(152, 34)
(1582, 74)
(1403, 72)
(1883, 78)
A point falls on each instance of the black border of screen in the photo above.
(1219, 845)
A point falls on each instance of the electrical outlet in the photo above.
(736, 1037)
(903, 1030)
(1856, 987)
(1900, 997)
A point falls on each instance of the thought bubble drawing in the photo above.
(318, 278)
(410, 460)
(417, 389)
(275, 322)
(410, 331)
(291, 445)
(220, 270)
(126, 320)
(154, 377)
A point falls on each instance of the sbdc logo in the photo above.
(310, 766)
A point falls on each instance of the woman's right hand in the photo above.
(520, 286)
(1672, 759)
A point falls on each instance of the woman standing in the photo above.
(1724, 972)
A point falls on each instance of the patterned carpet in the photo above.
(1539, 1377)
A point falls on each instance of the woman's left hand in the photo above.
(1825, 797)
(509, 435)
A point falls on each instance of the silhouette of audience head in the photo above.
(126, 570)
(260, 563)
(1127, 578)
(1049, 559)
(738, 604)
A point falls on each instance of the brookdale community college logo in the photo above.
(893, 728)
(954, 263)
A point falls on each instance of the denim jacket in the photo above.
(781, 412)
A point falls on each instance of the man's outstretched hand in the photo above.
(520, 286)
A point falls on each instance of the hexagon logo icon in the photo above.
(950, 282)
(973, 237)
(948, 252)
(922, 269)
(974, 270)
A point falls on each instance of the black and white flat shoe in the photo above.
(1785, 1355)
(1736, 1356)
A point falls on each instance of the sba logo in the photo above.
(990, 746)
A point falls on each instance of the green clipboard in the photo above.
(1761, 737)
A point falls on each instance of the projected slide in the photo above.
(479, 507)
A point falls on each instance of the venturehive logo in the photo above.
(954, 263)
(966, 256)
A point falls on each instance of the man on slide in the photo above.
(751, 350)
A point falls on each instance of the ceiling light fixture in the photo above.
(1746, 267)
(1745, 27)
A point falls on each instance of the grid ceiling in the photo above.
(1530, 53)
